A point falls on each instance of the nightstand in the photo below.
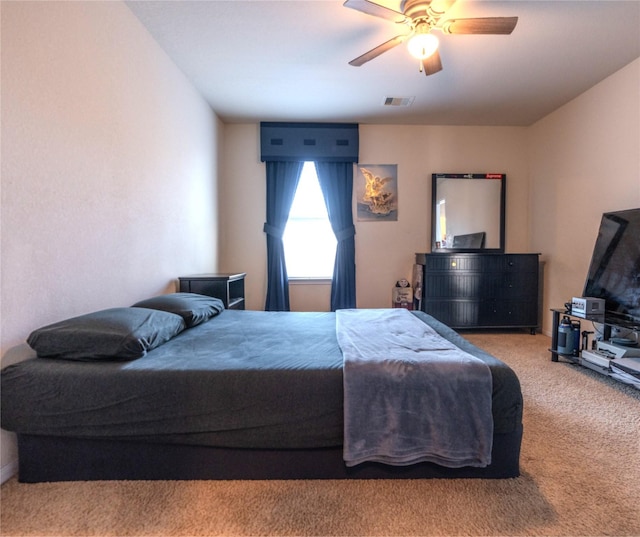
(227, 287)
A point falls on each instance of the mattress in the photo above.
(244, 379)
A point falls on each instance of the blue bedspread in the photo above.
(410, 395)
(243, 379)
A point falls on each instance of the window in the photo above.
(309, 241)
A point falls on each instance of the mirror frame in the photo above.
(479, 176)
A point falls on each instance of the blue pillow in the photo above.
(192, 307)
(116, 334)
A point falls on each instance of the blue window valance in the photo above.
(319, 142)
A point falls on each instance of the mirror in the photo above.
(467, 213)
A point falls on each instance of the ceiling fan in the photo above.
(423, 16)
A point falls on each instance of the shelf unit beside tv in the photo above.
(577, 359)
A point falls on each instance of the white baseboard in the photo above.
(8, 471)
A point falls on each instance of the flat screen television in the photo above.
(614, 272)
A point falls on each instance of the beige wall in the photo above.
(109, 169)
(385, 251)
(584, 160)
(562, 174)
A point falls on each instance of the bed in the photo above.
(208, 393)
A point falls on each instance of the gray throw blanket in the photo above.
(410, 395)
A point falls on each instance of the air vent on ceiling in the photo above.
(398, 101)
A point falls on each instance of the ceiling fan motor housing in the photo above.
(419, 10)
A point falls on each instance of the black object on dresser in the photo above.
(227, 287)
(481, 290)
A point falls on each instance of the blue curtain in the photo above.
(336, 181)
(282, 182)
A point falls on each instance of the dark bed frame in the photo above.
(49, 458)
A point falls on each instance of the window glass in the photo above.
(309, 242)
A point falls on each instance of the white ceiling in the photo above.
(283, 60)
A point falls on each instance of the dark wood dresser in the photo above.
(481, 290)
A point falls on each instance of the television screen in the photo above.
(614, 272)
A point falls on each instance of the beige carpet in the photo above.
(580, 476)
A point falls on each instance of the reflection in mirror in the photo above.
(468, 212)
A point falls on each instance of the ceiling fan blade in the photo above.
(487, 25)
(371, 8)
(432, 64)
(380, 49)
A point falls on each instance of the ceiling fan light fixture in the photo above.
(422, 44)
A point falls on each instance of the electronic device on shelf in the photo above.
(606, 354)
(614, 272)
(588, 308)
(597, 357)
(617, 350)
(627, 366)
